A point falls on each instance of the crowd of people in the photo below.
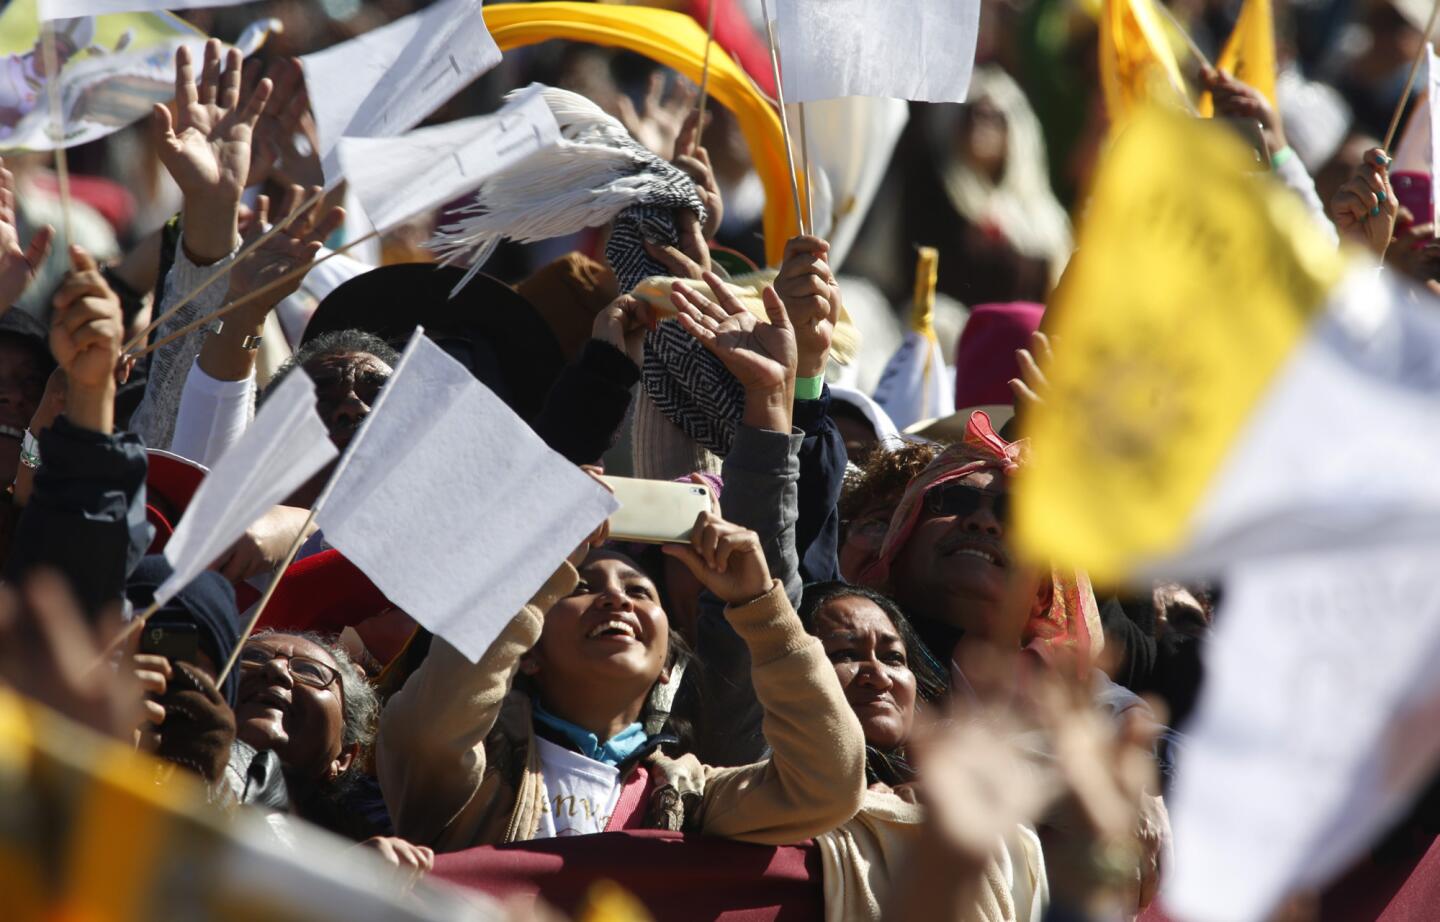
(849, 668)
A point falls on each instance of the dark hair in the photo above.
(930, 680)
(884, 477)
(336, 342)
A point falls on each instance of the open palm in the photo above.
(205, 145)
(760, 355)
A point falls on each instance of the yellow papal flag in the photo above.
(1194, 280)
(1249, 54)
(1137, 64)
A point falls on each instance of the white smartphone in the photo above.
(656, 511)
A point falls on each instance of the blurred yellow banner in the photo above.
(1195, 277)
(1249, 54)
(1137, 64)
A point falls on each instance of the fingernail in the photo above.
(1383, 199)
(1374, 211)
(1384, 159)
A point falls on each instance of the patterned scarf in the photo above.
(1072, 622)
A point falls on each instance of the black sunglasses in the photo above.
(959, 499)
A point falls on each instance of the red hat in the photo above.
(324, 593)
(170, 483)
(985, 357)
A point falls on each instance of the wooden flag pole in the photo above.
(784, 120)
(246, 299)
(1410, 80)
(275, 578)
(57, 127)
(139, 338)
(805, 169)
(704, 76)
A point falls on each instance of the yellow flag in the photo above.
(1193, 281)
(1137, 64)
(1249, 54)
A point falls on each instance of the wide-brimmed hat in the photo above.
(487, 326)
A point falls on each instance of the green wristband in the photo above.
(809, 388)
(1281, 157)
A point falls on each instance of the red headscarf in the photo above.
(1072, 622)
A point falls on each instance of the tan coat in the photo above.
(459, 767)
(860, 859)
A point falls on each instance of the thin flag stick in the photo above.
(705, 76)
(57, 126)
(805, 168)
(224, 270)
(269, 591)
(1410, 80)
(285, 279)
(784, 120)
(1189, 42)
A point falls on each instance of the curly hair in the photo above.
(336, 342)
(883, 478)
(359, 705)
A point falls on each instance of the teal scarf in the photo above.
(612, 752)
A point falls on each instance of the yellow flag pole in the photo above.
(57, 126)
(927, 274)
(1410, 80)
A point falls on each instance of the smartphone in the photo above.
(1412, 190)
(656, 511)
(179, 643)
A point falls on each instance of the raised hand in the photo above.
(623, 324)
(86, 330)
(726, 558)
(1032, 387)
(205, 146)
(17, 265)
(1365, 208)
(761, 356)
(657, 124)
(696, 165)
(297, 245)
(272, 144)
(812, 299)
(1235, 99)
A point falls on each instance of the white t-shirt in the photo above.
(580, 793)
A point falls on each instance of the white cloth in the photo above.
(213, 415)
(580, 793)
(1293, 175)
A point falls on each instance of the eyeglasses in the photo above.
(303, 669)
(867, 531)
(959, 499)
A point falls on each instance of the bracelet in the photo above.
(251, 343)
(30, 451)
(809, 388)
(1281, 157)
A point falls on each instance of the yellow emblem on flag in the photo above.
(1193, 281)
(1249, 53)
(1137, 64)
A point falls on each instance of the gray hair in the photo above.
(359, 705)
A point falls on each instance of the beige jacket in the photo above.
(459, 767)
(859, 860)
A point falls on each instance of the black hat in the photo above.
(487, 326)
(27, 328)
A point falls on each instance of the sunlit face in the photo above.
(611, 629)
(347, 384)
(302, 723)
(873, 667)
(955, 567)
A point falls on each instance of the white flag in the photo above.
(1316, 726)
(284, 447)
(452, 505)
(70, 9)
(916, 385)
(922, 50)
(386, 81)
(398, 178)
